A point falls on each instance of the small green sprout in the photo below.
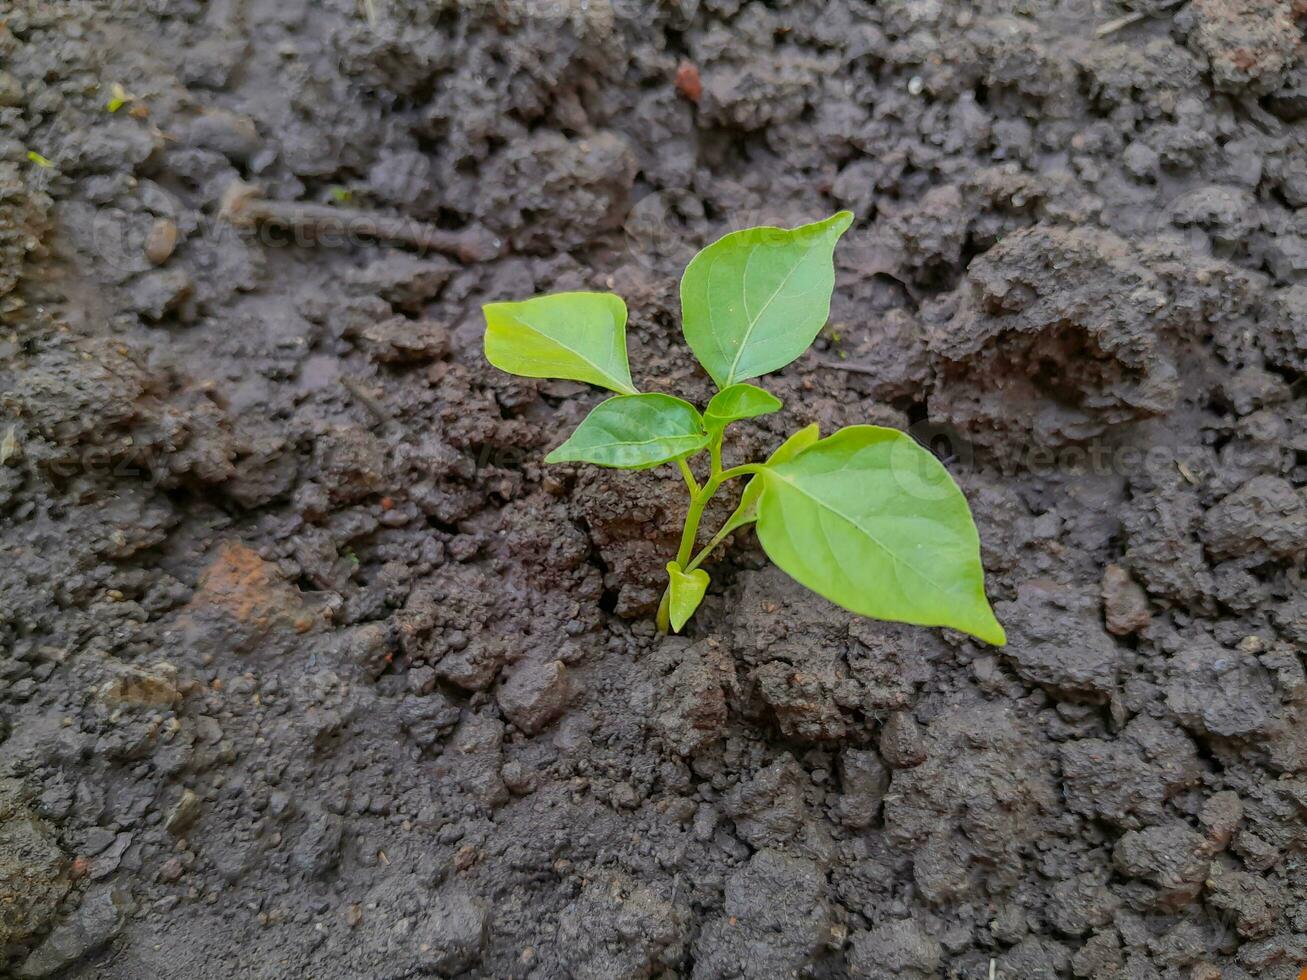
(339, 194)
(39, 160)
(119, 97)
(866, 517)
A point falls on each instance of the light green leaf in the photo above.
(739, 401)
(686, 592)
(634, 432)
(747, 511)
(872, 521)
(577, 336)
(754, 300)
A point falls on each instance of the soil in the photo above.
(311, 669)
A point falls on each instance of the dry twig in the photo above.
(243, 206)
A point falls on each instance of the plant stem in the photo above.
(717, 539)
(700, 500)
(691, 484)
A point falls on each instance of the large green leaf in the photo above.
(739, 401)
(754, 300)
(634, 432)
(577, 336)
(685, 592)
(872, 521)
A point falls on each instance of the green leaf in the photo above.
(577, 336)
(747, 511)
(754, 300)
(634, 432)
(872, 521)
(687, 590)
(739, 401)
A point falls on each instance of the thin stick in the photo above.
(243, 206)
(851, 367)
(1112, 26)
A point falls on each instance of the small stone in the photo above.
(161, 241)
(183, 816)
(901, 744)
(134, 687)
(535, 694)
(171, 870)
(1125, 604)
(354, 915)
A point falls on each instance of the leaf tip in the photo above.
(992, 631)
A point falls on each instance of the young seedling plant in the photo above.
(866, 517)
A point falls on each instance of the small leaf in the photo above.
(39, 160)
(747, 511)
(687, 590)
(576, 336)
(739, 401)
(754, 300)
(634, 432)
(872, 521)
(120, 97)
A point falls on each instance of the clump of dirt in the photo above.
(310, 667)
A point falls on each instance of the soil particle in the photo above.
(769, 809)
(1127, 780)
(1056, 640)
(775, 917)
(1125, 604)
(33, 870)
(619, 928)
(451, 934)
(864, 780)
(1267, 515)
(901, 744)
(1081, 904)
(99, 917)
(947, 810)
(1254, 901)
(899, 948)
(535, 694)
(1212, 690)
(1249, 44)
(317, 849)
(1171, 859)
(692, 699)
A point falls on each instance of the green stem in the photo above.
(664, 620)
(690, 483)
(717, 539)
(700, 500)
(715, 451)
